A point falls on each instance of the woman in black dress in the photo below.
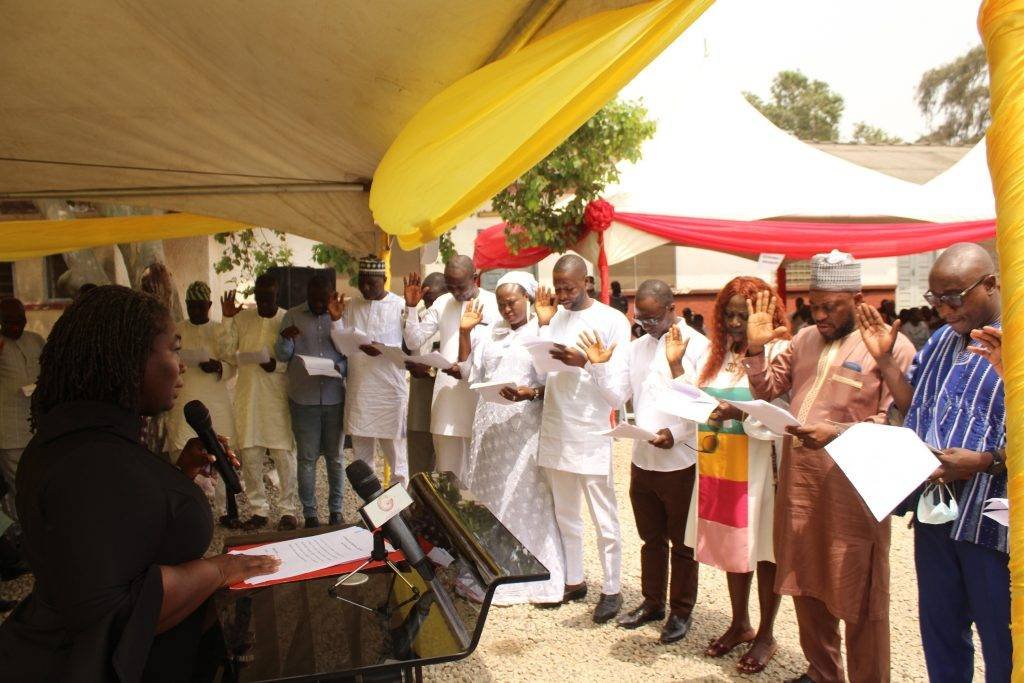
(114, 535)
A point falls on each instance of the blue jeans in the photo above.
(959, 583)
(318, 431)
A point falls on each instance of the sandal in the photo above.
(717, 649)
(749, 665)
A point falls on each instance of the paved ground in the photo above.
(526, 644)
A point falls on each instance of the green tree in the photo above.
(341, 260)
(954, 98)
(251, 252)
(864, 134)
(545, 206)
(808, 109)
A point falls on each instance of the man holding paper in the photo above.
(19, 368)
(316, 401)
(662, 473)
(955, 402)
(578, 462)
(204, 354)
(454, 403)
(831, 553)
(262, 421)
(375, 406)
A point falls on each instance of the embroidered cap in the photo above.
(835, 272)
(371, 265)
(198, 291)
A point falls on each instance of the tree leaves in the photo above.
(251, 253)
(864, 134)
(544, 207)
(808, 109)
(956, 96)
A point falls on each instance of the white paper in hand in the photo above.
(885, 464)
(319, 367)
(540, 351)
(432, 359)
(998, 509)
(684, 400)
(391, 354)
(770, 415)
(350, 339)
(490, 392)
(628, 431)
(260, 357)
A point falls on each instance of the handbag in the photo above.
(937, 505)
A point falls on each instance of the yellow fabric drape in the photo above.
(487, 129)
(1001, 23)
(31, 239)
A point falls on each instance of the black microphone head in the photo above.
(364, 482)
(197, 416)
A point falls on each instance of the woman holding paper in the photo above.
(115, 535)
(502, 469)
(731, 528)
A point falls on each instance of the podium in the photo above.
(311, 631)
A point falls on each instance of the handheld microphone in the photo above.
(198, 418)
(366, 484)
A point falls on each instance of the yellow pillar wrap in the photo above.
(482, 132)
(385, 256)
(1001, 23)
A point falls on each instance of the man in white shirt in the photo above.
(662, 473)
(375, 404)
(577, 461)
(19, 368)
(454, 403)
(262, 419)
(421, 388)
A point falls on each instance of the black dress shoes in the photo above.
(230, 522)
(575, 593)
(607, 607)
(639, 616)
(336, 519)
(312, 522)
(255, 522)
(675, 629)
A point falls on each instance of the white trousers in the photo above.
(395, 452)
(9, 459)
(566, 489)
(252, 476)
(450, 454)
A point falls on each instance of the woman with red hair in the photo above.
(730, 523)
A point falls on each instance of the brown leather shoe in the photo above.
(640, 615)
(287, 523)
(255, 522)
(675, 629)
(607, 607)
(230, 522)
(575, 593)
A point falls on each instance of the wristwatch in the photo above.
(998, 466)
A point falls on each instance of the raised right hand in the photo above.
(237, 568)
(594, 348)
(546, 305)
(229, 308)
(878, 337)
(472, 315)
(761, 322)
(413, 290)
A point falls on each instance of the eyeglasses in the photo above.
(952, 300)
(648, 322)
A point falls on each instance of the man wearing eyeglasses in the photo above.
(832, 555)
(955, 402)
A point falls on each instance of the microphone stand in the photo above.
(378, 554)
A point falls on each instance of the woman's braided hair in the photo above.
(97, 350)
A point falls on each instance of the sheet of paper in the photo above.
(310, 554)
(885, 464)
(490, 392)
(997, 509)
(540, 352)
(684, 400)
(391, 354)
(350, 339)
(253, 357)
(770, 415)
(194, 356)
(28, 390)
(628, 431)
(319, 367)
(432, 359)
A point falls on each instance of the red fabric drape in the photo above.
(795, 239)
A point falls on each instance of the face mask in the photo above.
(937, 505)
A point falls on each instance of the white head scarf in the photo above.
(521, 278)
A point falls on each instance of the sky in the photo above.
(872, 52)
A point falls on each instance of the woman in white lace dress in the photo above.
(502, 470)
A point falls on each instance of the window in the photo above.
(6, 280)
(55, 267)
